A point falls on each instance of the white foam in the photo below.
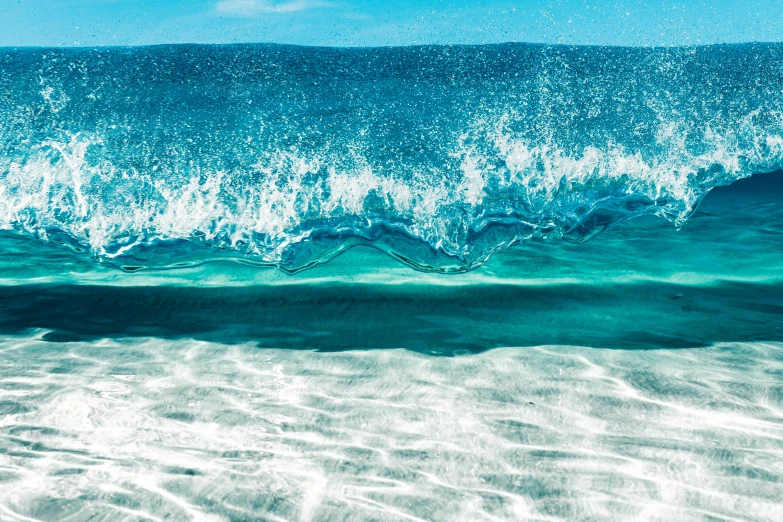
(271, 206)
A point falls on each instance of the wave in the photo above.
(439, 156)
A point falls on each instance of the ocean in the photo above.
(501, 282)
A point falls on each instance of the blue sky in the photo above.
(391, 22)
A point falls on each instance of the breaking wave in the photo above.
(440, 156)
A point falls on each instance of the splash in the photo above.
(440, 156)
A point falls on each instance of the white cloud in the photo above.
(258, 7)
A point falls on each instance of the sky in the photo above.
(390, 22)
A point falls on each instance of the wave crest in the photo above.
(438, 196)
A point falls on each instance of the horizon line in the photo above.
(371, 47)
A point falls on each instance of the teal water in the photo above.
(642, 284)
(438, 155)
(633, 377)
(512, 282)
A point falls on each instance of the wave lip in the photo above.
(439, 156)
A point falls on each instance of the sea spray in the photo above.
(439, 156)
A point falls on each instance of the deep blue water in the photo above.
(512, 282)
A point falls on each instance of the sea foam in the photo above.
(438, 155)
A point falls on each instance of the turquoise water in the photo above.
(632, 377)
(441, 283)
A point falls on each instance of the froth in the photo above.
(290, 155)
(277, 203)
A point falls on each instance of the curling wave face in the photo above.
(439, 156)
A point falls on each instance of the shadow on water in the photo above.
(586, 309)
(430, 319)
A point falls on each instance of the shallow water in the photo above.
(642, 284)
(183, 430)
(645, 383)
